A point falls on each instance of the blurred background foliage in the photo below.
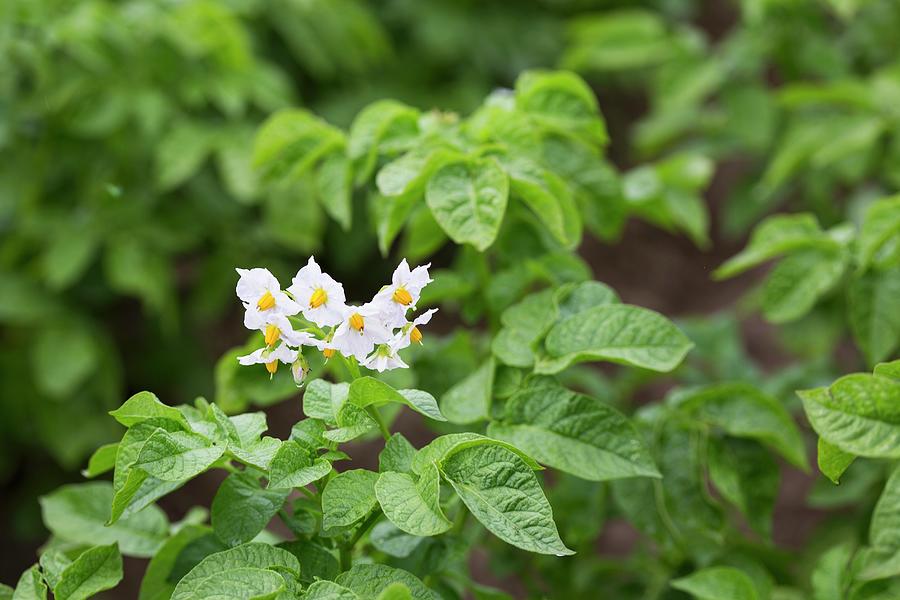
(127, 194)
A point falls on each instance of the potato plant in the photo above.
(529, 377)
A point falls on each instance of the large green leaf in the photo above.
(78, 513)
(446, 444)
(468, 200)
(501, 491)
(368, 391)
(620, 333)
(397, 455)
(717, 583)
(881, 560)
(881, 223)
(748, 476)
(143, 406)
(294, 466)
(242, 508)
(562, 101)
(872, 308)
(370, 580)
(859, 414)
(385, 124)
(348, 498)
(743, 411)
(413, 506)
(31, 586)
(329, 590)
(470, 400)
(177, 455)
(291, 141)
(218, 568)
(777, 235)
(94, 570)
(797, 283)
(573, 433)
(157, 583)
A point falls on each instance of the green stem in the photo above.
(376, 416)
(346, 550)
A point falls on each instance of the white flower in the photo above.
(361, 329)
(270, 357)
(410, 332)
(384, 358)
(321, 298)
(262, 297)
(403, 293)
(278, 327)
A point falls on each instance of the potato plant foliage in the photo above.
(492, 336)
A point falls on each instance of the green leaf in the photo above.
(397, 455)
(395, 591)
(547, 195)
(94, 570)
(859, 414)
(717, 583)
(832, 460)
(881, 560)
(78, 513)
(797, 283)
(316, 561)
(444, 445)
(370, 580)
(881, 223)
(386, 123)
(334, 183)
(468, 200)
(247, 556)
(470, 400)
(53, 563)
(143, 406)
(388, 538)
(181, 153)
(329, 590)
(747, 476)
(291, 141)
(294, 467)
(888, 369)
(63, 356)
(102, 460)
(831, 576)
(177, 455)
(348, 498)
(779, 234)
(156, 583)
(574, 433)
(31, 586)
(368, 391)
(323, 399)
(630, 335)
(241, 508)
(413, 506)
(874, 318)
(245, 583)
(134, 488)
(562, 101)
(502, 492)
(245, 443)
(743, 411)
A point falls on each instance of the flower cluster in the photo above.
(371, 334)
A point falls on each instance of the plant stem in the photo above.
(376, 416)
(346, 551)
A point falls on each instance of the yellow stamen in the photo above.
(266, 302)
(328, 352)
(318, 298)
(271, 367)
(401, 296)
(357, 322)
(272, 334)
(415, 335)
